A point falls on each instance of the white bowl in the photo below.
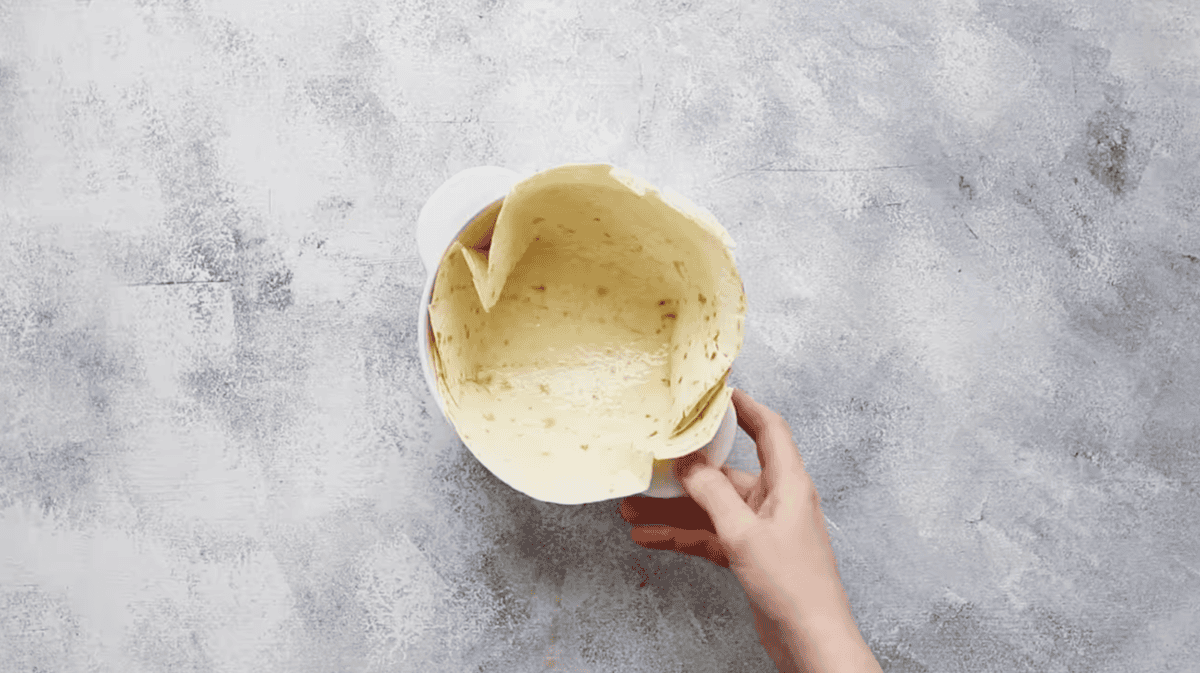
(448, 211)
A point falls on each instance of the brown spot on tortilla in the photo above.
(601, 290)
(541, 288)
(489, 417)
(548, 422)
(703, 299)
(595, 219)
(652, 434)
(566, 313)
(544, 388)
(669, 315)
(603, 321)
(662, 302)
(506, 342)
(647, 415)
(583, 446)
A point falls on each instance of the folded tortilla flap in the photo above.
(702, 428)
(457, 319)
(710, 300)
(519, 222)
(478, 233)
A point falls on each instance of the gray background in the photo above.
(968, 234)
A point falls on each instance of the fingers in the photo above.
(714, 492)
(700, 543)
(750, 487)
(743, 482)
(677, 512)
(682, 512)
(772, 435)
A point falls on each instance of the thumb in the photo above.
(715, 494)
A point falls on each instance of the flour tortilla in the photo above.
(582, 329)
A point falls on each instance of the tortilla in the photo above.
(583, 328)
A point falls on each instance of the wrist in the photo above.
(818, 606)
(827, 643)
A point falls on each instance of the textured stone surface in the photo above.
(971, 249)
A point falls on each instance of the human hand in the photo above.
(770, 531)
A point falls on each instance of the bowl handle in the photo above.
(456, 203)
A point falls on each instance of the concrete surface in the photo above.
(969, 237)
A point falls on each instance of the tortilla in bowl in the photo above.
(582, 329)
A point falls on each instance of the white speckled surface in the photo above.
(968, 234)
